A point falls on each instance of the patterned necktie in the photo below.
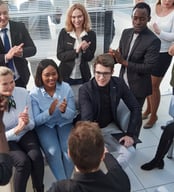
(11, 103)
(7, 47)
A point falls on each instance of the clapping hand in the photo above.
(24, 116)
(23, 120)
(15, 51)
(63, 105)
(83, 46)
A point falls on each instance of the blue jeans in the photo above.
(54, 144)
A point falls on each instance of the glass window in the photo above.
(45, 18)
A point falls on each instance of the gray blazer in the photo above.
(142, 58)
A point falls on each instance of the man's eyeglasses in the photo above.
(104, 74)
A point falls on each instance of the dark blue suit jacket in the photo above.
(19, 34)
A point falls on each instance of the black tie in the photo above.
(7, 47)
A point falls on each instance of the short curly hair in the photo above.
(86, 146)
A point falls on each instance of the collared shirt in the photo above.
(135, 35)
(41, 102)
(10, 118)
(8, 33)
(76, 74)
(9, 36)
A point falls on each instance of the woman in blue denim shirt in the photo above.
(54, 110)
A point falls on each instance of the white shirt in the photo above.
(166, 25)
(131, 45)
(76, 74)
(9, 37)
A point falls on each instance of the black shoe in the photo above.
(153, 164)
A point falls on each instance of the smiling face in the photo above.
(102, 75)
(139, 19)
(167, 3)
(77, 19)
(4, 16)
(49, 77)
(7, 85)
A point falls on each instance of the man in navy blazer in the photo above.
(138, 53)
(22, 46)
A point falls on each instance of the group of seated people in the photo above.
(42, 121)
(44, 118)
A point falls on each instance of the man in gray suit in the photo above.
(138, 53)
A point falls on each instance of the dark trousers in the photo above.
(165, 142)
(141, 103)
(27, 160)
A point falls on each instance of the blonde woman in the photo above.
(24, 148)
(76, 46)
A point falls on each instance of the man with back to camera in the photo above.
(20, 46)
(86, 149)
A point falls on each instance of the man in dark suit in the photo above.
(138, 53)
(21, 43)
(99, 99)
